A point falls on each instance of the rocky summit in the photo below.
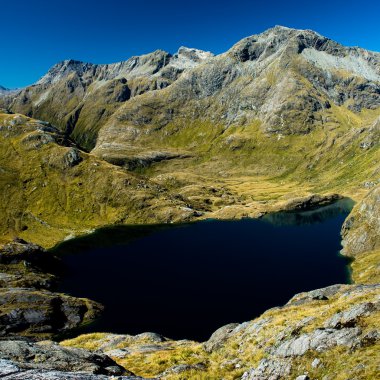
(283, 120)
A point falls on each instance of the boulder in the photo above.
(218, 338)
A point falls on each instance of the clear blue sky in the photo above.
(35, 34)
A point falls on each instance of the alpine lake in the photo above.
(185, 281)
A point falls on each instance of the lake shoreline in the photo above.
(114, 238)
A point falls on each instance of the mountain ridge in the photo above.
(201, 74)
(282, 105)
(286, 119)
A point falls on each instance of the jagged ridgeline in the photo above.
(286, 112)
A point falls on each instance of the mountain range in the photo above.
(284, 120)
(281, 114)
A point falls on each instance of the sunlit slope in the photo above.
(50, 189)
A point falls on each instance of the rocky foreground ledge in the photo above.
(28, 306)
(48, 360)
(325, 334)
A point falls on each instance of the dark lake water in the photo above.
(185, 281)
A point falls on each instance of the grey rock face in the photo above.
(319, 340)
(219, 337)
(51, 356)
(183, 368)
(361, 230)
(7, 368)
(72, 158)
(42, 311)
(12, 371)
(20, 250)
(26, 306)
(350, 317)
(25, 265)
(322, 294)
(285, 357)
(269, 369)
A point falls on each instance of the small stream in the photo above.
(185, 281)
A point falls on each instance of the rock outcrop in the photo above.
(28, 306)
(50, 361)
(361, 230)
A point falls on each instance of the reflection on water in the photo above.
(318, 215)
(187, 280)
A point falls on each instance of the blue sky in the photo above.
(35, 34)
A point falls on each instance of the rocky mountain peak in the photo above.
(321, 52)
(187, 58)
(63, 69)
(278, 39)
(284, 30)
(5, 90)
(195, 55)
(286, 78)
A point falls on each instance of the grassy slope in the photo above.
(43, 200)
(234, 172)
(248, 166)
